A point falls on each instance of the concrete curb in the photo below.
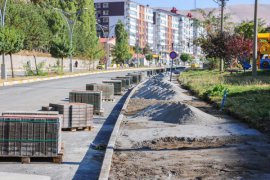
(107, 161)
(11, 83)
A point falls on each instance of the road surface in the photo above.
(81, 159)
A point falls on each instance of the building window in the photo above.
(105, 5)
(105, 19)
(97, 5)
(106, 12)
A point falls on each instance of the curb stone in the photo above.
(107, 161)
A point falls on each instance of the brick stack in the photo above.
(89, 97)
(30, 135)
(117, 86)
(107, 90)
(126, 81)
(75, 115)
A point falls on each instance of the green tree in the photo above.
(121, 50)
(60, 49)
(11, 41)
(246, 28)
(185, 57)
(147, 50)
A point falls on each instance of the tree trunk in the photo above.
(36, 64)
(11, 64)
(221, 68)
(89, 65)
(62, 64)
(93, 65)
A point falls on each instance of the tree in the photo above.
(121, 50)
(185, 57)
(147, 50)
(246, 28)
(11, 41)
(60, 49)
(238, 49)
(149, 57)
(214, 45)
(28, 18)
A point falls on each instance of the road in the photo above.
(81, 159)
(32, 96)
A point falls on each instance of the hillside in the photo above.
(238, 13)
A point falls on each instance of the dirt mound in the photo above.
(176, 113)
(193, 143)
(160, 89)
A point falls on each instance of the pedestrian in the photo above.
(76, 64)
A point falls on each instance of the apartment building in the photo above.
(138, 19)
(159, 28)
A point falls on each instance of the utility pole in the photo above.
(222, 4)
(3, 65)
(222, 30)
(255, 40)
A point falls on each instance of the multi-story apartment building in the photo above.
(158, 28)
(138, 19)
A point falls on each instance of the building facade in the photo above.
(162, 30)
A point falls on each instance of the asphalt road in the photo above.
(81, 159)
(30, 97)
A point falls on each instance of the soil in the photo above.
(184, 138)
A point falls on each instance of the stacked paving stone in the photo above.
(107, 90)
(117, 86)
(135, 77)
(125, 80)
(89, 97)
(75, 115)
(25, 135)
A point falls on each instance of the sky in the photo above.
(189, 4)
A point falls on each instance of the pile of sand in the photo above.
(176, 113)
(160, 89)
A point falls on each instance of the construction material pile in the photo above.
(75, 115)
(107, 90)
(88, 97)
(30, 135)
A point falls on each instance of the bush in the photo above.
(28, 69)
(211, 63)
(217, 90)
(40, 69)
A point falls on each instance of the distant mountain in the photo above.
(238, 13)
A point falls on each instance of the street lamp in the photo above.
(3, 65)
(70, 25)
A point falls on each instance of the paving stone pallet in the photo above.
(131, 79)
(30, 136)
(117, 86)
(107, 90)
(88, 97)
(75, 115)
(127, 81)
(135, 77)
(124, 86)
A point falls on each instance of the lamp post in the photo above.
(255, 41)
(70, 25)
(3, 65)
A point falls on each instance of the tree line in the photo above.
(234, 45)
(41, 25)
